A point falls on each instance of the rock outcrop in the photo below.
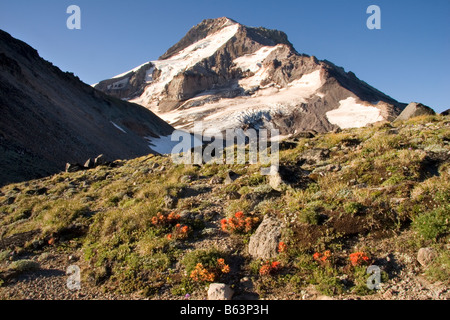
(264, 242)
(415, 109)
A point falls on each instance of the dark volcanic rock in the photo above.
(49, 117)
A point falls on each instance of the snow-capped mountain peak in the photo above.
(230, 75)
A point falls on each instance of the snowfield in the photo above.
(257, 109)
(165, 145)
(351, 114)
(253, 62)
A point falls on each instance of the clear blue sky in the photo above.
(408, 59)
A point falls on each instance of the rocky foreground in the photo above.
(150, 229)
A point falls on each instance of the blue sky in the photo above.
(407, 59)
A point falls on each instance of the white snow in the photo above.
(165, 145)
(162, 145)
(118, 127)
(309, 82)
(182, 61)
(149, 75)
(231, 113)
(351, 114)
(253, 62)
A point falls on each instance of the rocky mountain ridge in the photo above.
(229, 76)
(50, 118)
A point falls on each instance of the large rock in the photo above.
(276, 181)
(73, 167)
(220, 291)
(446, 112)
(415, 109)
(264, 242)
(425, 256)
(288, 175)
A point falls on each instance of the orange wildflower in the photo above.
(282, 247)
(269, 268)
(358, 258)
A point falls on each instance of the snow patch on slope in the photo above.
(351, 114)
(165, 145)
(253, 62)
(118, 127)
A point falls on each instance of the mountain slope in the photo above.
(383, 191)
(230, 75)
(49, 117)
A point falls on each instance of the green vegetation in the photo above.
(24, 265)
(387, 188)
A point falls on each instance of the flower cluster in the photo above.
(161, 220)
(202, 274)
(282, 247)
(358, 258)
(269, 268)
(224, 268)
(238, 223)
(322, 257)
(179, 232)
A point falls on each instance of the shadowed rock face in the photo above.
(257, 70)
(49, 118)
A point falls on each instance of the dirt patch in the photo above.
(18, 240)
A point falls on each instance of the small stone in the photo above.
(276, 182)
(170, 202)
(185, 215)
(89, 164)
(100, 160)
(234, 195)
(215, 180)
(72, 258)
(220, 291)
(155, 165)
(230, 177)
(425, 256)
